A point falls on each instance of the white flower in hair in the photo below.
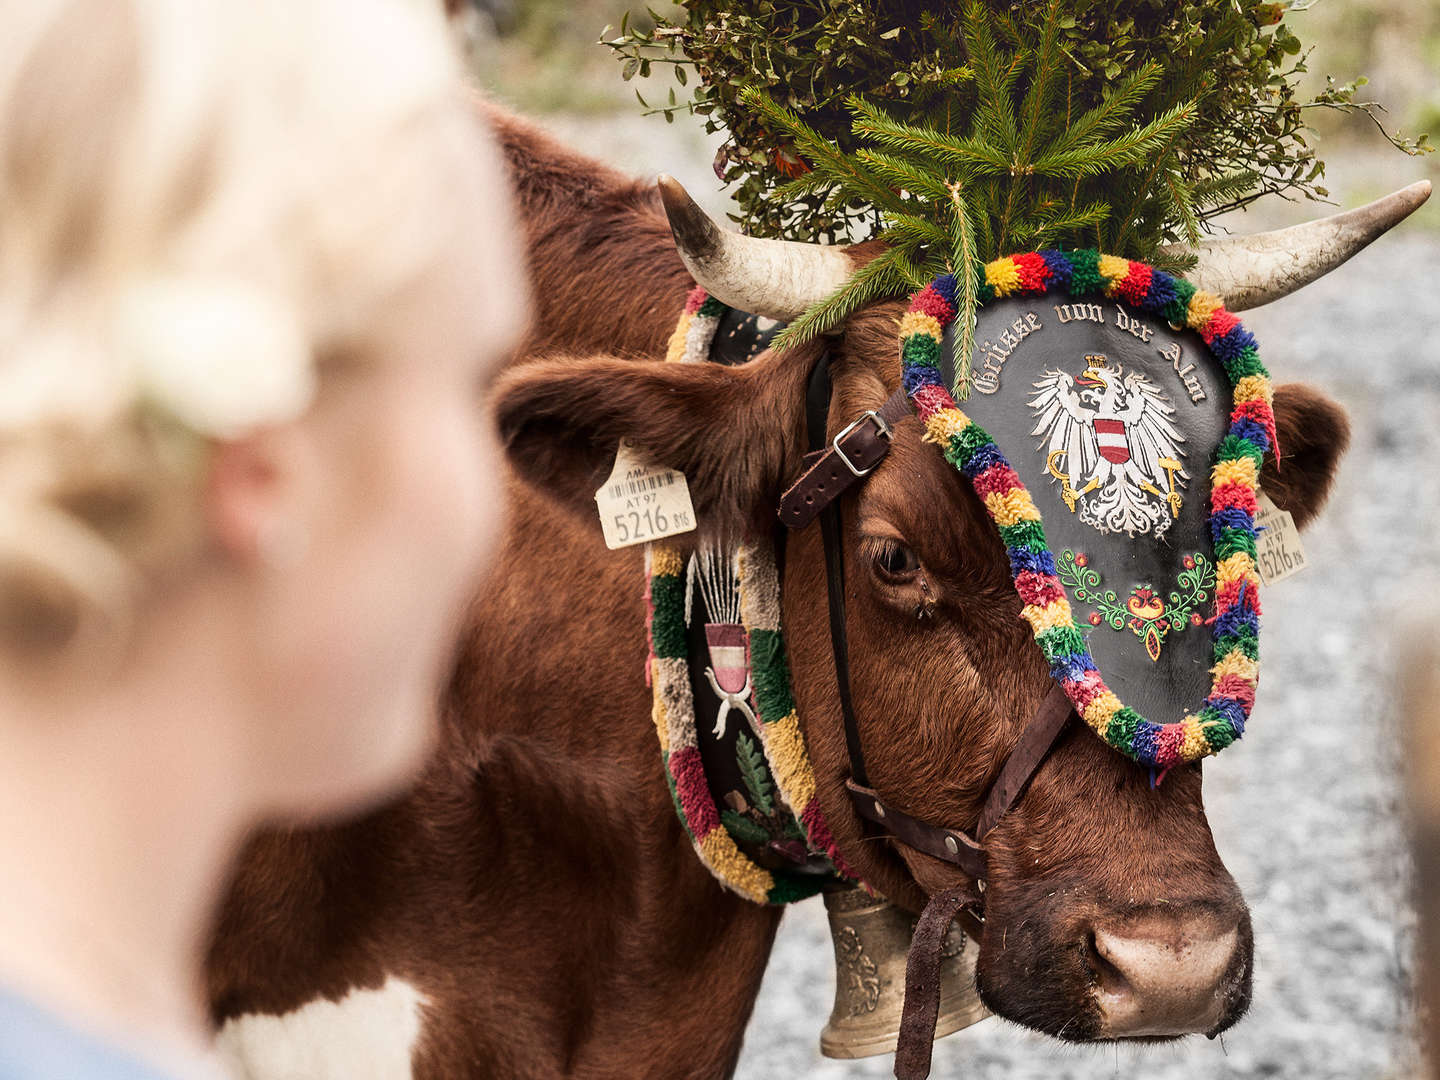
(221, 357)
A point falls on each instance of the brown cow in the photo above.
(535, 909)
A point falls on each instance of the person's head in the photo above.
(256, 266)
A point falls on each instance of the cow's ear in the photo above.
(731, 430)
(1314, 432)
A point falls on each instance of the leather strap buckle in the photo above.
(882, 429)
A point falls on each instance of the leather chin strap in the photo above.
(831, 468)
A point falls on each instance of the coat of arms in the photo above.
(1110, 440)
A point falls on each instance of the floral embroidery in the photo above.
(1149, 616)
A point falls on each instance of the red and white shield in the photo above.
(1110, 437)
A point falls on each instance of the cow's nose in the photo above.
(1164, 975)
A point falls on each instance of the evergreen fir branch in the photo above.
(1112, 114)
(812, 183)
(1215, 190)
(916, 232)
(963, 263)
(1181, 205)
(873, 123)
(821, 153)
(752, 770)
(908, 176)
(1128, 150)
(1161, 158)
(1046, 66)
(1068, 221)
(887, 275)
(995, 109)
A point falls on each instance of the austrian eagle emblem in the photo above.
(1110, 442)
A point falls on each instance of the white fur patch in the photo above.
(366, 1035)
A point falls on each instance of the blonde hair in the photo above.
(197, 198)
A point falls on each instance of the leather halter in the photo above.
(832, 467)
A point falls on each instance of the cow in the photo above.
(533, 907)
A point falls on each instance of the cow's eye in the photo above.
(894, 560)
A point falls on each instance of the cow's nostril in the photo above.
(1108, 978)
(1163, 976)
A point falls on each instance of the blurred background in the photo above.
(1309, 814)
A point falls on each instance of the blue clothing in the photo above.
(35, 1044)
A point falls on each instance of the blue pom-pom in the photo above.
(1022, 559)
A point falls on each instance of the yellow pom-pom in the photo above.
(675, 350)
(1234, 567)
(917, 322)
(1255, 388)
(1011, 507)
(1056, 613)
(1236, 662)
(1193, 746)
(786, 749)
(944, 425)
(1240, 471)
(1003, 276)
(1115, 269)
(665, 561)
(1101, 708)
(733, 868)
(1202, 306)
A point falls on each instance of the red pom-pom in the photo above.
(929, 302)
(931, 399)
(1136, 284)
(1220, 324)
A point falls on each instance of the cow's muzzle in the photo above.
(1163, 974)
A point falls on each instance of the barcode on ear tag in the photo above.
(642, 502)
(1279, 553)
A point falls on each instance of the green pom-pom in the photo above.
(1245, 640)
(1024, 534)
(921, 349)
(1060, 641)
(789, 888)
(970, 439)
(712, 308)
(1234, 448)
(1178, 310)
(1246, 363)
(1120, 733)
(1233, 540)
(667, 628)
(1085, 273)
(1218, 730)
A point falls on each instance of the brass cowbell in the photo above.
(872, 939)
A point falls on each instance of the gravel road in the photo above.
(1307, 810)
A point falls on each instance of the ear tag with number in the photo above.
(1278, 549)
(642, 502)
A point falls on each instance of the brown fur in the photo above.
(537, 887)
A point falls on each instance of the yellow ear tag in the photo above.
(1279, 552)
(642, 502)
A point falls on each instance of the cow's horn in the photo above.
(1248, 271)
(775, 278)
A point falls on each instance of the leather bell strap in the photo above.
(852, 454)
(953, 845)
(922, 982)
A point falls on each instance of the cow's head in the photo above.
(1108, 911)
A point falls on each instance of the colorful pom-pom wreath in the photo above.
(1221, 717)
